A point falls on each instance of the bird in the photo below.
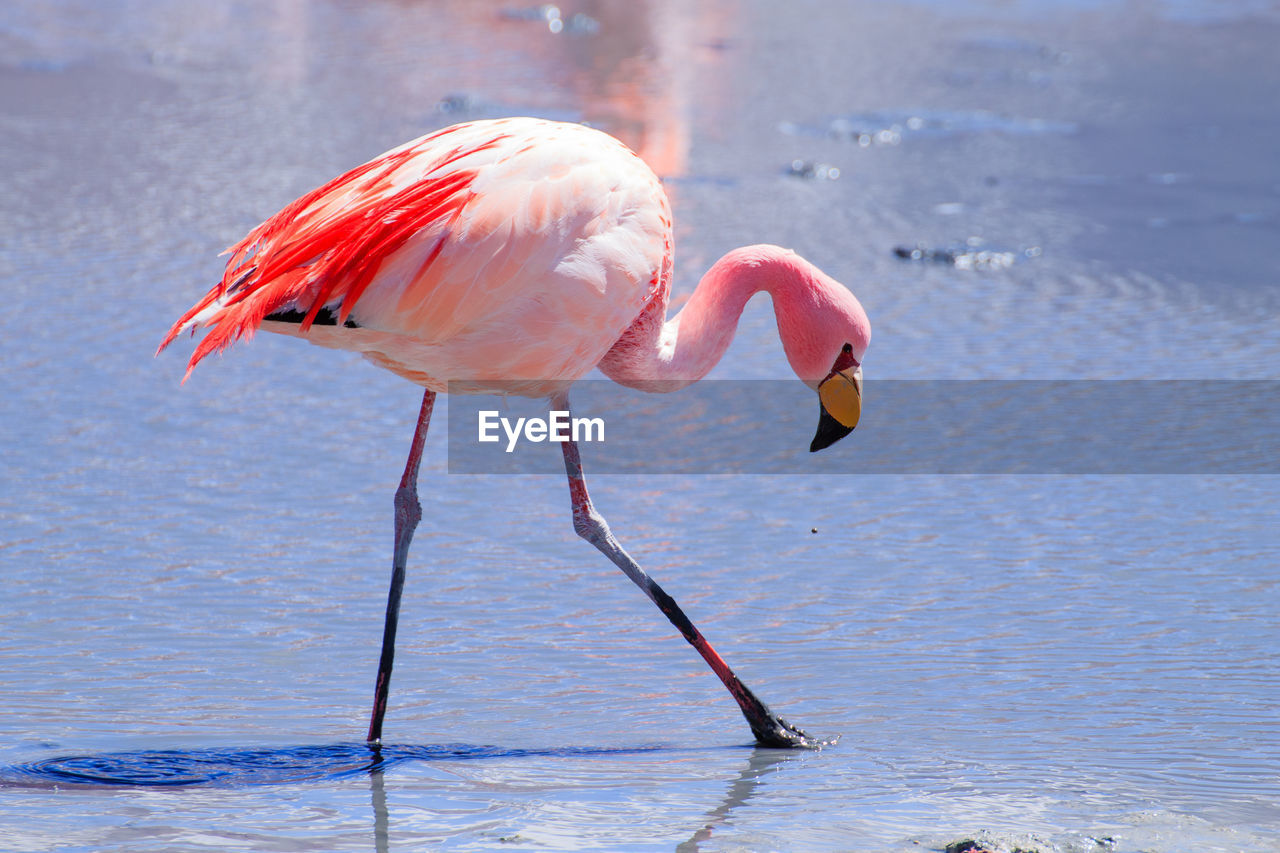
(516, 255)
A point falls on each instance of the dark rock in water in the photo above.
(966, 257)
(968, 845)
(972, 845)
(811, 170)
(893, 127)
(923, 253)
(456, 103)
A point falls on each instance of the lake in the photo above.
(1016, 653)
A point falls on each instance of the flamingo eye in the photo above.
(844, 360)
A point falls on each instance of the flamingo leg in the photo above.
(769, 729)
(408, 514)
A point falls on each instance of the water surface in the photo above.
(193, 576)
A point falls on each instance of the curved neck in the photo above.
(682, 350)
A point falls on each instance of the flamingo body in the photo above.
(506, 251)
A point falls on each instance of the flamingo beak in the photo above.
(840, 401)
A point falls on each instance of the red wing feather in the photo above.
(326, 247)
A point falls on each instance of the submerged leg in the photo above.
(768, 728)
(408, 513)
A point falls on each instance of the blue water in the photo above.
(192, 577)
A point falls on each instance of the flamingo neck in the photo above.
(667, 356)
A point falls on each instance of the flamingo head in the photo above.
(825, 333)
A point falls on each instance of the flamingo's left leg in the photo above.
(768, 728)
(408, 514)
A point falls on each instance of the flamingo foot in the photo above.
(771, 731)
(776, 733)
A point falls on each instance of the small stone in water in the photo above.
(809, 169)
(966, 258)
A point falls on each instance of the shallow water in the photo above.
(193, 577)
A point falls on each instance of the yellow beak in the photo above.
(840, 397)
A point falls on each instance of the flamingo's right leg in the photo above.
(768, 728)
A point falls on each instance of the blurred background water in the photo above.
(193, 576)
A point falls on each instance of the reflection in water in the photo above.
(760, 762)
(379, 793)
(242, 767)
(231, 768)
(626, 81)
(627, 73)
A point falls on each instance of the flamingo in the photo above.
(515, 255)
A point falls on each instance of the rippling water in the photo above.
(193, 577)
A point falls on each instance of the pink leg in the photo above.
(408, 514)
(768, 728)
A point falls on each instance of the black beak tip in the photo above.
(829, 432)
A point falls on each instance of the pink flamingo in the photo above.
(516, 255)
